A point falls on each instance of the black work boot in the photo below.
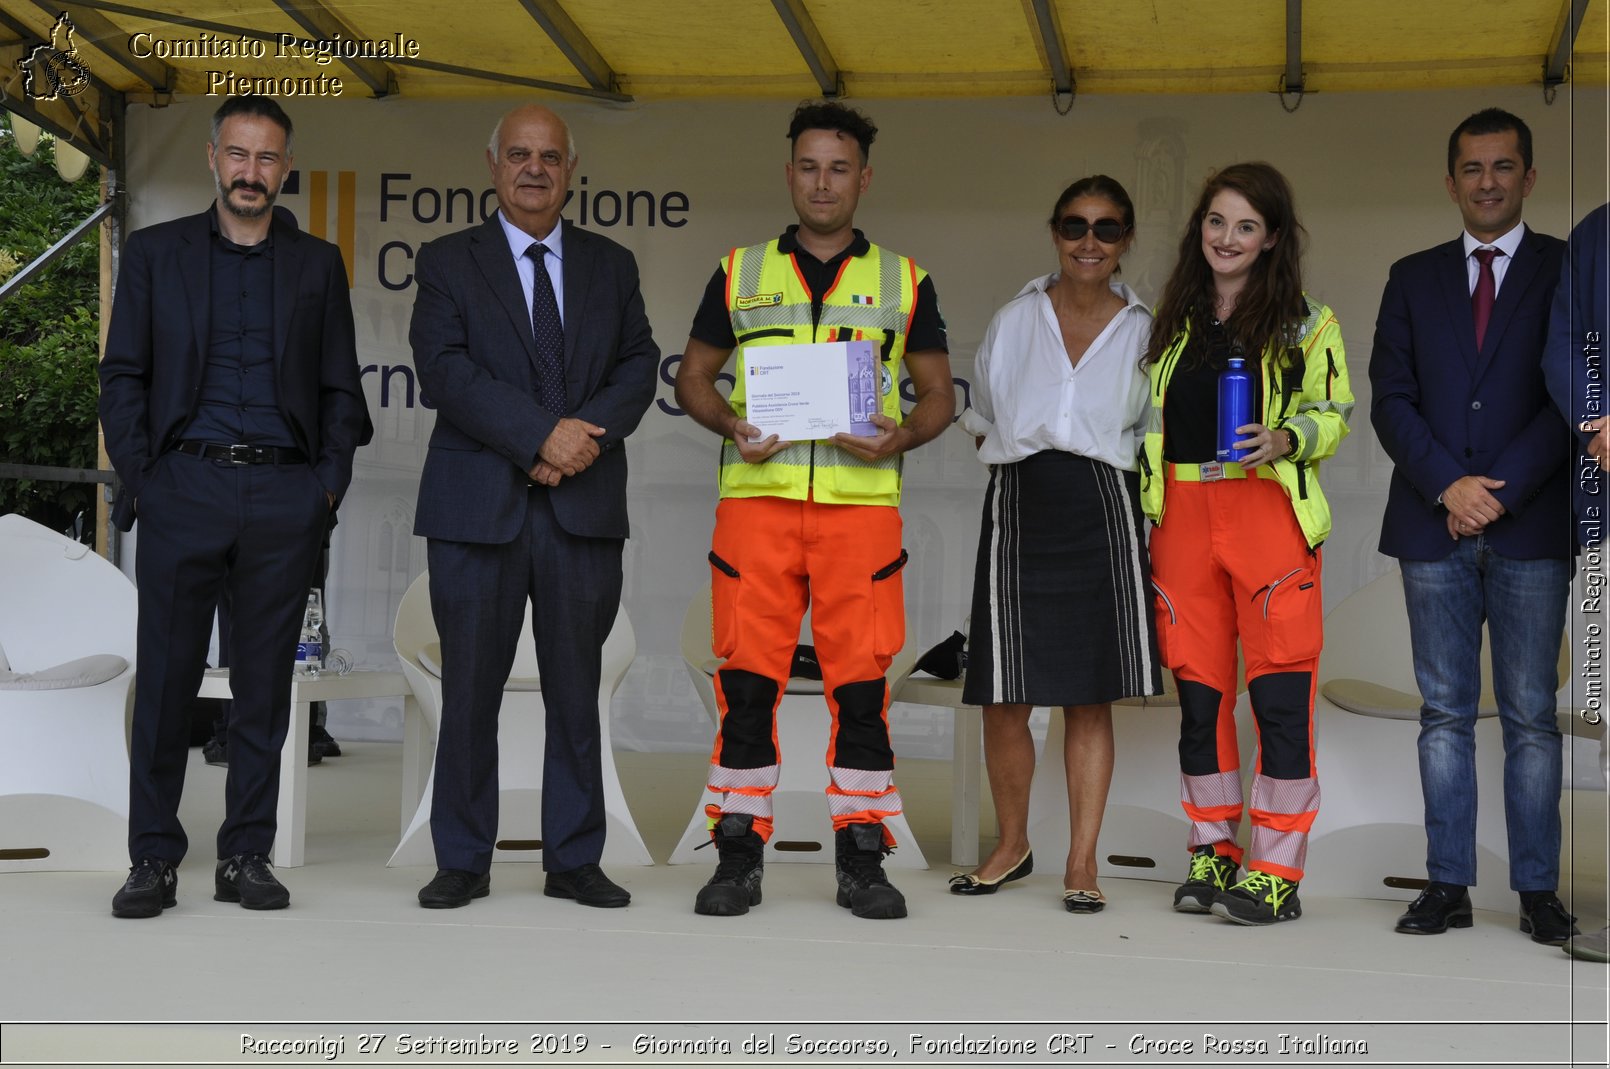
(863, 888)
(736, 885)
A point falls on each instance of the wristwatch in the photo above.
(1291, 436)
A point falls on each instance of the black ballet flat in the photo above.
(1081, 901)
(966, 883)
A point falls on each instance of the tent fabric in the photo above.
(878, 48)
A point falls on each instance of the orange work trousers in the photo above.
(1229, 562)
(770, 558)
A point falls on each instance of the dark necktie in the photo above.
(1486, 292)
(548, 333)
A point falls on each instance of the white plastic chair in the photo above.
(521, 733)
(67, 623)
(804, 830)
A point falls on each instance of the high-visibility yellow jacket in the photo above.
(1307, 394)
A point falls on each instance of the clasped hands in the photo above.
(569, 449)
(891, 438)
(1471, 505)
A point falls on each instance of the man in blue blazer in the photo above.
(530, 338)
(1475, 516)
(1573, 363)
(231, 406)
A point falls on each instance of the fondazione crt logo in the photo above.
(54, 71)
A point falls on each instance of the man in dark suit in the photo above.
(531, 340)
(1475, 516)
(231, 406)
(1573, 364)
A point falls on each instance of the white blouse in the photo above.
(1027, 397)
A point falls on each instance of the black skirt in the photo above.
(1062, 601)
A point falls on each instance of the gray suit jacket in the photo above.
(474, 354)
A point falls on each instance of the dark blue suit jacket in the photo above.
(1574, 360)
(475, 357)
(1443, 410)
(156, 349)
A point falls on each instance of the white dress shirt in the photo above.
(1506, 244)
(519, 242)
(1027, 397)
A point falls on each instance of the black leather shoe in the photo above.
(587, 885)
(152, 887)
(451, 888)
(1438, 908)
(1547, 921)
(249, 879)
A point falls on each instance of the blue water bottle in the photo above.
(1235, 408)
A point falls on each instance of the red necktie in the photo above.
(1486, 292)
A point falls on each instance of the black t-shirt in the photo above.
(712, 323)
(1191, 406)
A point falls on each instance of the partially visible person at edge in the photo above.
(814, 522)
(1061, 594)
(1236, 550)
(1573, 368)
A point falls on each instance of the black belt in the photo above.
(243, 454)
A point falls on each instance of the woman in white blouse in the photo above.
(1061, 596)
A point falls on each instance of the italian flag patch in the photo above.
(860, 298)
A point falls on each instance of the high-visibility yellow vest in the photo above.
(1308, 395)
(872, 299)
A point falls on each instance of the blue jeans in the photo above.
(1523, 603)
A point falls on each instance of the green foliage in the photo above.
(49, 333)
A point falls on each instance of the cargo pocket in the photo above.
(1290, 613)
(889, 608)
(1168, 625)
(724, 584)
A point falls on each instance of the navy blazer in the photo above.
(156, 349)
(1574, 360)
(1443, 410)
(475, 357)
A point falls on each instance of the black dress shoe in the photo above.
(1546, 920)
(451, 888)
(249, 879)
(1439, 907)
(587, 885)
(152, 887)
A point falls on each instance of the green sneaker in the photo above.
(1261, 898)
(1210, 874)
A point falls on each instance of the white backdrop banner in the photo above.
(963, 187)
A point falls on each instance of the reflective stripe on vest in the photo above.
(871, 299)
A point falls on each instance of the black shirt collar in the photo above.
(789, 243)
(264, 246)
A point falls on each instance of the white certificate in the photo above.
(805, 392)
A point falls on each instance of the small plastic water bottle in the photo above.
(309, 646)
(1235, 408)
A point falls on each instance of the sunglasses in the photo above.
(1108, 231)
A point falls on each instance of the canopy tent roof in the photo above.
(651, 49)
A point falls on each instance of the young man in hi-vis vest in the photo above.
(812, 523)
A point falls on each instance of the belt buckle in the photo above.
(242, 454)
(1211, 472)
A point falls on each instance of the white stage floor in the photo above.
(355, 954)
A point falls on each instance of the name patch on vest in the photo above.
(759, 300)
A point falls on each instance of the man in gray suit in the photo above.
(530, 338)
